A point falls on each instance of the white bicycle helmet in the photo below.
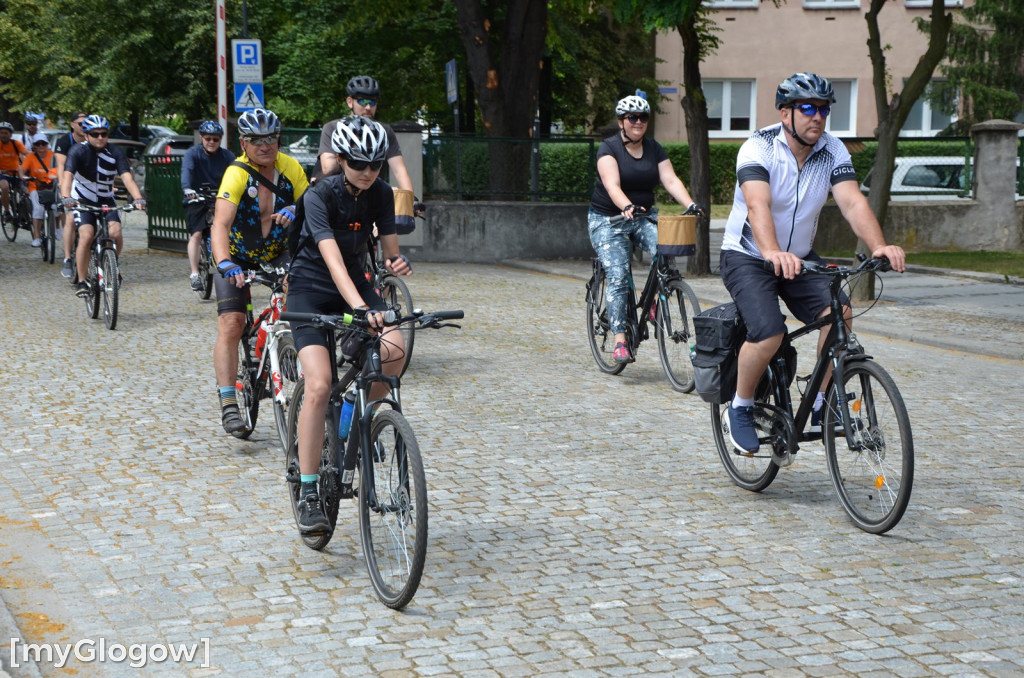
(801, 86)
(360, 138)
(6, 125)
(258, 122)
(632, 104)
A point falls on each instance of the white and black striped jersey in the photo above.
(798, 194)
(94, 171)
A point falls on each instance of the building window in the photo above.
(730, 107)
(926, 119)
(832, 4)
(732, 4)
(928, 3)
(842, 121)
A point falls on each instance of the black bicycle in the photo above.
(104, 276)
(268, 365)
(667, 301)
(21, 216)
(865, 428)
(208, 197)
(378, 463)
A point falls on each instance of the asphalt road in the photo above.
(580, 524)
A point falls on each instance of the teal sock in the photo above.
(309, 484)
(227, 396)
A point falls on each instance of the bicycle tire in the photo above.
(92, 299)
(247, 392)
(393, 509)
(674, 329)
(10, 226)
(873, 485)
(109, 287)
(50, 242)
(396, 295)
(24, 213)
(751, 472)
(328, 489)
(599, 332)
(287, 359)
(205, 271)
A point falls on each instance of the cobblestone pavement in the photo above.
(580, 525)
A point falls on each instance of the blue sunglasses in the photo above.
(810, 109)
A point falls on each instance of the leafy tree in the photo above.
(893, 111)
(984, 70)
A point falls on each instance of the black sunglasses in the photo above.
(360, 165)
(98, 134)
(810, 109)
(638, 117)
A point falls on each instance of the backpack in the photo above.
(295, 239)
(719, 334)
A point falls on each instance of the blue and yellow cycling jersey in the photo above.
(248, 246)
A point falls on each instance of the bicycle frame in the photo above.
(274, 328)
(640, 310)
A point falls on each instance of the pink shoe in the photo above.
(621, 354)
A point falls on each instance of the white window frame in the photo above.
(926, 114)
(926, 4)
(732, 4)
(726, 109)
(852, 131)
(832, 4)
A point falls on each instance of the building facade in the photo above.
(761, 44)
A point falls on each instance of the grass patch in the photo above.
(1002, 263)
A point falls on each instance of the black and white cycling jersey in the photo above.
(94, 171)
(797, 194)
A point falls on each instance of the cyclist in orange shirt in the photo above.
(11, 153)
(41, 166)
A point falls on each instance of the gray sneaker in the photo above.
(67, 270)
(196, 282)
(311, 520)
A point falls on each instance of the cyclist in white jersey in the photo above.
(783, 176)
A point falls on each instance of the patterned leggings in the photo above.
(612, 244)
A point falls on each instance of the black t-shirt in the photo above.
(638, 177)
(350, 225)
(64, 143)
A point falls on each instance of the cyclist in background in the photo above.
(41, 166)
(88, 179)
(250, 229)
(784, 174)
(202, 167)
(12, 152)
(327, 277)
(61, 148)
(28, 134)
(629, 167)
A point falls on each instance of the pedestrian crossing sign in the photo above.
(248, 96)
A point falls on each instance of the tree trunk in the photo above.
(892, 114)
(696, 109)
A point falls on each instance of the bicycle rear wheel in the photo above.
(109, 287)
(92, 299)
(247, 391)
(328, 488)
(393, 509)
(752, 472)
(674, 327)
(599, 331)
(288, 361)
(874, 476)
(50, 239)
(10, 226)
(396, 295)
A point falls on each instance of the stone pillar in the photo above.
(995, 179)
(410, 138)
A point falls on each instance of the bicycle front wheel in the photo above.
(109, 287)
(92, 299)
(247, 391)
(393, 509)
(675, 333)
(288, 362)
(396, 295)
(599, 331)
(50, 229)
(328, 487)
(10, 225)
(873, 476)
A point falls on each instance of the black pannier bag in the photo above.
(719, 334)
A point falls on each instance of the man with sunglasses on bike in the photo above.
(88, 179)
(255, 205)
(784, 174)
(202, 166)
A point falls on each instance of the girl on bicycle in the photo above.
(327, 277)
(629, 167)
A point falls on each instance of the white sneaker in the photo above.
(37, 242)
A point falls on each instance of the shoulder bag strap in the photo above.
(263, 180)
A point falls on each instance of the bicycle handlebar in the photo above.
(105, 209)
(358, 319)
(866, 264)
(203, 195)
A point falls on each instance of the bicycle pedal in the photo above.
(782, 460)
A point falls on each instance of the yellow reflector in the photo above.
(856, 406)
(879, 481)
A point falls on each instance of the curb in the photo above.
(8, 630)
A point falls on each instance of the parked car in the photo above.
(928, 178)
(304, 149)
(133, 150)
(146, 132)
(161, 149)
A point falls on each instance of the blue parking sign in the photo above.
(247, 60)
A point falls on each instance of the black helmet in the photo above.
(362, 86)
(211, 127)
(800, 86)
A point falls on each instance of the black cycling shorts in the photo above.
(195, 216)
(757, 293)
(304, 334)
